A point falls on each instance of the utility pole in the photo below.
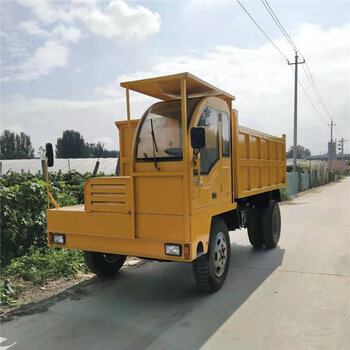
(342, 141)
(342, 153)
(330, 148)
(295, 139)
(331, 125)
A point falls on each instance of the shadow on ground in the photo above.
(155, 305)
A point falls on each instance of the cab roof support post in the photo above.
(128, 118)
(131, 162)
(185, 158)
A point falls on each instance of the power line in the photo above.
(338, 131)
(279, 25)
(317, 93)
(307, 73)
(276, 47)
(308, 97)
(307, 70)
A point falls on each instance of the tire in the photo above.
(270, 222)
(210, 274)
(254, 230)
(104, 265)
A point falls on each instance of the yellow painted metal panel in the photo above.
(76, 220)
(168, 87)
(118, 245)
(260, 163)
(159, 195)
(124, 145)
(169, 228)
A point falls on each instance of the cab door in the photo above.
(212, 174)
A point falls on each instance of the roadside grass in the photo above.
(37, 267)
(284, 194)
(40, 266)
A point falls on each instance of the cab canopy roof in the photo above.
(168, 87)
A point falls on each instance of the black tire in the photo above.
(210, 270)
(254, 230)
(270, 222)
(104, 265)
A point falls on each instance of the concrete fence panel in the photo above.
(305, 182)
(292, 183)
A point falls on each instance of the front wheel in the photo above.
(103, 264)
(210, 270)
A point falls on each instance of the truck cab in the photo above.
(188, 175)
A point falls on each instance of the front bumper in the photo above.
(118, 233)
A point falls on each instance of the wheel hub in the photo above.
(220, 254)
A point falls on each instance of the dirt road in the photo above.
(296, 296)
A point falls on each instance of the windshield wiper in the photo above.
(155, 148)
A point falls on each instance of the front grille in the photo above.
(107, 194)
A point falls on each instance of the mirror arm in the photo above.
(195, 156)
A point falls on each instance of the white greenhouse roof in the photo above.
(81, 165)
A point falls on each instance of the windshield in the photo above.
(167, 141)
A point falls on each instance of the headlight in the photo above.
(173, 249)
(58, 239)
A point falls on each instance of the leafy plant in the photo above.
(40, 265)
(23, 209)
(284, 194)
(6, 292)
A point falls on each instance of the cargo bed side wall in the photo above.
(260, 161)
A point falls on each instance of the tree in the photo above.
(98, 151)
(15, 146)
(302, 152)
(71, 145)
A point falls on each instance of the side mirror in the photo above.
(198, 137)
(49, 154)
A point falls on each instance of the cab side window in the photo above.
(209, 155)
(225, 123)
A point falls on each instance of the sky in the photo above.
(62, 62)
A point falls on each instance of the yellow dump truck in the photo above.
(189, 174)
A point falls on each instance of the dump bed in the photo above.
(259, 161)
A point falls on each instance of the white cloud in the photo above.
(58, 33)
(121, 20)
(109, 90)
(260, 79)
(116, 19)
(45, 58)
(264, 84)
(32, 28)
(53, 52)
(66, 34)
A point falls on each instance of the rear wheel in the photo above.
(103, 264)
(270, 222)
(210, 270)
(254, 231)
